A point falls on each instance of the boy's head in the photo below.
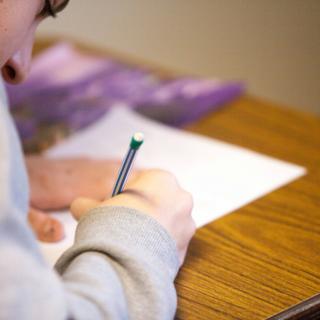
(18, 22)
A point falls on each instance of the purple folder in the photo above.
(67, 90)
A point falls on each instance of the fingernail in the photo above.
(48, 228)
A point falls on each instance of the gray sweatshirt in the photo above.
(122, 264)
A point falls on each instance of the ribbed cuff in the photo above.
(117, 230)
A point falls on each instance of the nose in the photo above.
(17, 67)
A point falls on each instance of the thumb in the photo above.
(81, 206)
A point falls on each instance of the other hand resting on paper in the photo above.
(158, 194)
(55, 183)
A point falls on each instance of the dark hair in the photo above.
(61, 6)
(50, 10)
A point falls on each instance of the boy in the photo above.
(127, 250)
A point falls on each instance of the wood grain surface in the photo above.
(264, 257)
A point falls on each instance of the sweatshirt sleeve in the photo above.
(121, 266)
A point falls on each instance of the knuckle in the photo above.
(193, 227)
(161, 173)
(165, 173)
(188, 200)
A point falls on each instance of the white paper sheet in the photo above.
(222, 177)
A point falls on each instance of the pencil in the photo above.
(136, 142)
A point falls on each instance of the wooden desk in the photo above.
(265, 256)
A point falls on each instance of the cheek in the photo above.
(17, 18)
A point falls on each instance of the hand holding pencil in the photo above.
(153, 192)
